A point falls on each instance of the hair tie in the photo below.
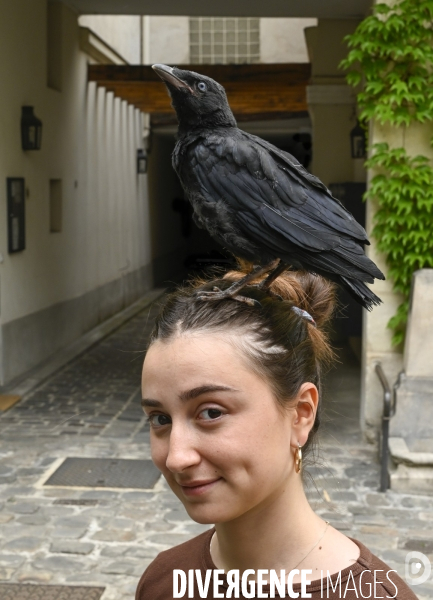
(304, 314)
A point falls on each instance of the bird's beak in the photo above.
(167, 75)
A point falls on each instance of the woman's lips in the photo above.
(196, 488)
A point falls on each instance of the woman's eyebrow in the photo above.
(203, 389)
(193, 393)
(150, 403)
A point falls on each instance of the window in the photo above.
(55, 205)
(217, 40)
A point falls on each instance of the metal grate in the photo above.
(19, 591)
(105, 473)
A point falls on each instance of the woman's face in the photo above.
(217, 434)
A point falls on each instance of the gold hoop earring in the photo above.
(298, 458)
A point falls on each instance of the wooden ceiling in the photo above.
(261, 91)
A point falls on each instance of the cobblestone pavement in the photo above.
(107, 537)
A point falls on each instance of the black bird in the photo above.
(258, 201)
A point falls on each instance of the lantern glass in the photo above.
(357, 141)
(141, 161)
(31, 129)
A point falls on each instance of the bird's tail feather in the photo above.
(361, 292)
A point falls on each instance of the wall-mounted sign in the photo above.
(16, 214)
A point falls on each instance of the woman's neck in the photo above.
(276, 535)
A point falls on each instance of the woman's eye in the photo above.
(210, 414)
(202, 86)
(158, 420)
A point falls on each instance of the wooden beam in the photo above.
(256, 72)
(251, 89)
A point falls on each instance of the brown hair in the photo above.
(279, 345)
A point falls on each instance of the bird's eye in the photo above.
(202, 86)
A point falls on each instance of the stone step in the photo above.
(401, 454)
(410, 472)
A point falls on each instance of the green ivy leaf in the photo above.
(402, 225)
(391, 54)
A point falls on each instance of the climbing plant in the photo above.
(391, 58)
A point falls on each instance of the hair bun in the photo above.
(308, 291)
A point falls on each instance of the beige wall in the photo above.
(121, 32)
(283, 40)
(166, 40)
(331, 103)
(89, 141)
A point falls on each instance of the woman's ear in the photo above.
(305, 410)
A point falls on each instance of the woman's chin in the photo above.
(207, 515)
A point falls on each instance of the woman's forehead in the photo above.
(194, 357)
(190, 348)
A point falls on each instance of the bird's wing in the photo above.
(331, 261)
(276, 207)
(289, 163)
(284, 183)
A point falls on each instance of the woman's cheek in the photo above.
(158, 454)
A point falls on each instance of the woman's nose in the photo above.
(182, 450)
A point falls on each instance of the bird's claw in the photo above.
(218, 294)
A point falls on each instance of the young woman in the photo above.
(232, 392)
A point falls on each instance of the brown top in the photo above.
(156, 583)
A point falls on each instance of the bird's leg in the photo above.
(232, 291)
(272, 276)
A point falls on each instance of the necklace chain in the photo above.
(309, 552)
(302, 559)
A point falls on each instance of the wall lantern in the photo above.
(31, 129)
(141, 161)
(357, 141)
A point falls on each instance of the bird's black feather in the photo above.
(259, 201)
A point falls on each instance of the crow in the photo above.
(258, 201)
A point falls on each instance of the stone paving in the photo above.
(106, 538)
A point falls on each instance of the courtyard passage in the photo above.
(101, 540)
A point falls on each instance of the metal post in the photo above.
(387, 413)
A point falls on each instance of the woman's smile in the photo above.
(199, 487)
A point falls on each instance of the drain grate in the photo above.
(18, 591)
(105, 473)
